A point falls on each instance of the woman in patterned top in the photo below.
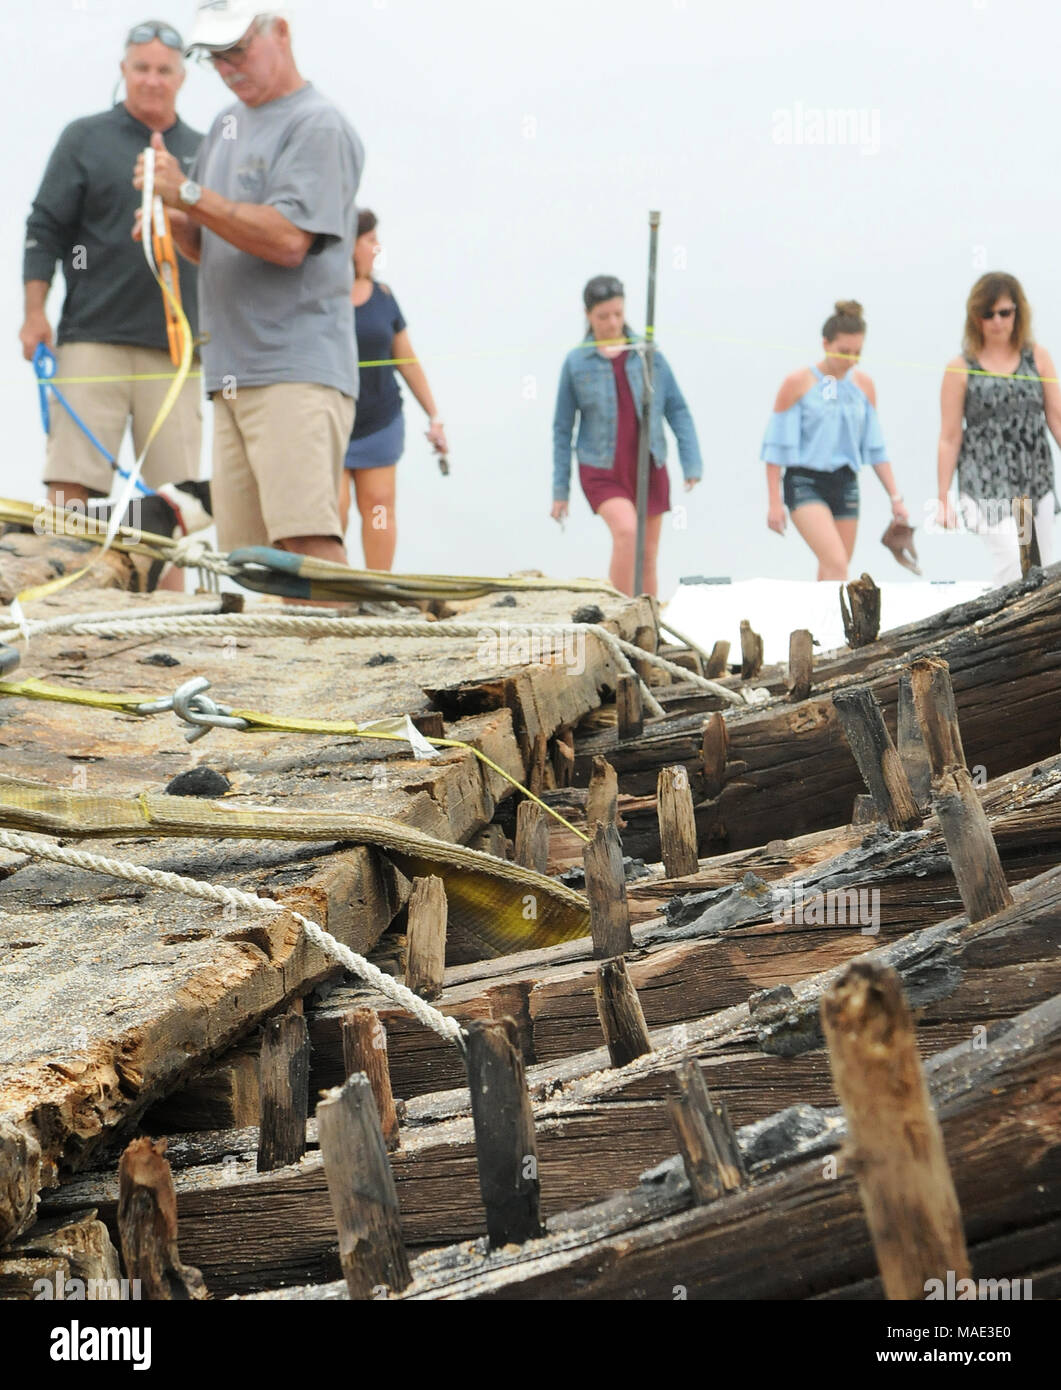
(823, 430)
(1004, 387)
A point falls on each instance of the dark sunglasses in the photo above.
(1001, 313)
(155, 29)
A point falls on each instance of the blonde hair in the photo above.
(845, 318)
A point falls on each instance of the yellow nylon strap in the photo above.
(347, 728)
(33, 689)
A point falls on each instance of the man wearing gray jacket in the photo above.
(113, 321)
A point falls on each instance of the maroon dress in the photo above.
(621, 479)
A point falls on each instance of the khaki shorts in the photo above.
(278, 460)
(106, 407)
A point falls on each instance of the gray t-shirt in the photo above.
(268, 323)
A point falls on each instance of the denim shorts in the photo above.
(838, 490)
(380, 449)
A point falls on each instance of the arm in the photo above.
(782, 440)
(1044, 365)
(872, 439)
(952, 409)
(35, 326)
(50, 232)
(187, 236)
(680, 418)
(256, 228)
(416, 380)
(775, 508)
(563, 427)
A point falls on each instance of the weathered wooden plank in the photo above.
(1017, 645)
(595, 1129)
(805, 1224)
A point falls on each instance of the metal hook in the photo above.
(190, 704)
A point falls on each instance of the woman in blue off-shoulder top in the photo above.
(823, 430)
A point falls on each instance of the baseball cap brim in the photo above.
(222, 27)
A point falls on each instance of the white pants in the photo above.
(993, 521)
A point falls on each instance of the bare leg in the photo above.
(653, 528)
(320, 547)
(815, 523)
(620, 514)
(62, 494)
(848, 529)
(375, 489)
(344, 500)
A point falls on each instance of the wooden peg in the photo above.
(619, 1009)
(751, 650)
(426, 941)
(973, 853)
(361, 1188)
(505, 1146)
(862, 617)
(629, 707)
(532, 836)
(365, 1051)
(677, 822)
(147, 1225)
(933, 694)
(609, 911)
(712, 1158)
(284, 1086)
(800, 664)
(714, 746)
(894, 1136)
(718, 661)
(878, 762)
(911, 744)
(602, 799)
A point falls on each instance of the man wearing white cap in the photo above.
(269, 215)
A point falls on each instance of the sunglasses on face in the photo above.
(1000, 313)
(154, 29)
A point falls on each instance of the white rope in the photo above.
(217, 893)
(297, 624)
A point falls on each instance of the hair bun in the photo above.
(851, 308)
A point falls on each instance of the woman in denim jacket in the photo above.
(601, 383)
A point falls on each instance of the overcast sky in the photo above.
(513, 150)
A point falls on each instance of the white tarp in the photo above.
(708, 613)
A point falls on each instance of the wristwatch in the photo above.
(189, 193)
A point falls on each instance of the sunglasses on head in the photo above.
(1001, 313)
(155, 29)
(603, 289)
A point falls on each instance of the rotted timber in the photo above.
(599, 1128)
(775, 749)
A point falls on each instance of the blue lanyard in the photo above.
(44, 365)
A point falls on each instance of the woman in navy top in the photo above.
(823, 430)
(378, 439)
